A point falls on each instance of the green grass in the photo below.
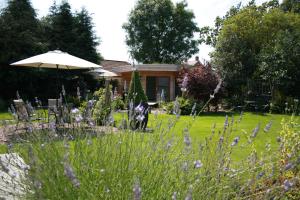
(202, 128)
(107, 166)
(5, 116)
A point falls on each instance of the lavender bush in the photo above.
(82, 161)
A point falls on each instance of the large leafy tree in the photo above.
(258, 42)
(161, 32)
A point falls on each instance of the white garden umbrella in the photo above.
(56, 59)
(104, 73)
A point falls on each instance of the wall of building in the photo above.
(126, 76)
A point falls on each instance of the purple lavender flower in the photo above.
(78, 93)
(185, 166)
(176, 108)
(226, 122)
(184, 83)
(75, 111)
(187, 140)
(78, 118)
(287, 185)
(63, 91)
(139, 108)
(52, 126)
(255, 130)
(193, 109)
(174, 196)
(189, 195)
(235, 141)
(261, 174)
(268, 127)
(198, 164)
(216, 90)
(169, 144)
(137, 191)
(71, 175)
(288, 166)
(241, 117)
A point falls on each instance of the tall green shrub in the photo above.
(136, 91)
(102, 109)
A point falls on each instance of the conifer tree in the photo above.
(136, 92)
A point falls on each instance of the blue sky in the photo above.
(110, 15)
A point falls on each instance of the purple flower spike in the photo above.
(137, 191)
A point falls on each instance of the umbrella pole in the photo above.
(57, 84)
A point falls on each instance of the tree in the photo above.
(86, 40)
(136, 92)
(279, 60)
(19, 30)
(258, 43)
(200, 81)
(291, 6)
(20, 38)
(159, 32)
(60, 28)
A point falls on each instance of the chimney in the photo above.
(197, 58)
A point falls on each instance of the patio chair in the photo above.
(55, 109)
(22, 113)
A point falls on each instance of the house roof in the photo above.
(109, 64)
(147, 67)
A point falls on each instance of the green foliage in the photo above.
(20, 32)
(198, 161)
(60, 30)
(23, 35)
(3, 105)
(136, 92)
(86, 40)
(159, 32)
(290, 6)
(185, 105)
(118, 103)
(258, 42)
(103, 107)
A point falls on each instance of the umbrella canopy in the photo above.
(56, 59)
(104, 73)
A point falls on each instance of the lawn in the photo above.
(202, 126)
(5, 116)
(161, 163)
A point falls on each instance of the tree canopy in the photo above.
(161, 32)
(24, 35)
(72, 33)
(19, 30)
(256, 43)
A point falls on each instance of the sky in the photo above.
(109, 16)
